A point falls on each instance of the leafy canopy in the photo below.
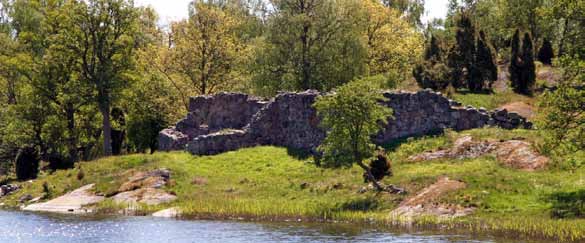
(352, 115)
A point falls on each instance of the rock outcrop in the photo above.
(516, 154)
(145, 187)
(426, 203)
(229, 121)
(75, 202)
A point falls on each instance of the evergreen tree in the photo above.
(432, 73)
(522, 68)
(515, 61)
(433, 51)
(546, 53)
(462, 56)
(485, 62)
(529, 70)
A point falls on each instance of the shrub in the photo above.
(27, 163)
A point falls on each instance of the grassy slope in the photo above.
(492, 101)
(264, 183)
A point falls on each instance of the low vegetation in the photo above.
(266, 183)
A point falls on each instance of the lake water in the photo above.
(29, 227)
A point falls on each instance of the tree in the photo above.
(102, 36)
(413, 10)
(351, 116)
(462, 55)
(206, 49)
(432, 72)
(528, 78)
(485, 64)
(393, 45)
(566, 17)
(522, 68)
(515, 67)
(310, 44)
(546, 52)
(562, 111)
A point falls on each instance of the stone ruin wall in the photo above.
(229, 121)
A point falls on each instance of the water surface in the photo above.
(29, 227)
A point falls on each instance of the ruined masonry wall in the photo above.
(229, 121)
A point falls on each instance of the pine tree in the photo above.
(515, 61)
(546, 53)
(529, 69)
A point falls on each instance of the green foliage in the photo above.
(351, 116)
(432, 72)
(435, 76)
(562, 113)
(309, 45)
(206, 52)
(462, 55)
(102, 35)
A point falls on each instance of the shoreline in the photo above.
(463, 226)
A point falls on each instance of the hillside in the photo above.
(268, 183)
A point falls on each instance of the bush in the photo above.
(435, 76)
(27, 163)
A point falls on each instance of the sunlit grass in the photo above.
(264, 183)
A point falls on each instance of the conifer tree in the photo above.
(515, 61)
(433, 51)
(461, 58)
(546, 53)
(529, 70)
(485, 62)
(522, 68)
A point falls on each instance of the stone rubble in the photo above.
(8, 189)
(230, 121)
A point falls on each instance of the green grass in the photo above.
(491, 101)
(264, 183)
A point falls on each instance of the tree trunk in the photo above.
(107, 128)
(371, 176)
(72, 139)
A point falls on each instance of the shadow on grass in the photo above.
(361, 204)
(393, 145)
(568, 204)
(299, 154)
